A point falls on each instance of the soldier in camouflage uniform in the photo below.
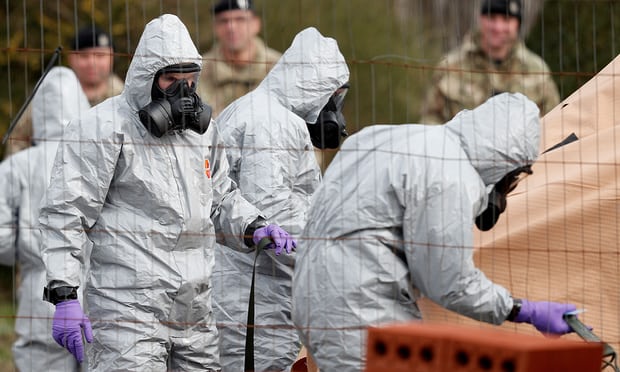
(239, 60)
(92, 61)
(490, 61)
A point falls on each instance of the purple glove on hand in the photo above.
(69, 320)
(547, 317)
(281, 239)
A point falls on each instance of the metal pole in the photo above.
(49, 66)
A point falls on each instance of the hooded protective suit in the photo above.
(151, 207)
(394, 218)
(272, 160)
(24, 178)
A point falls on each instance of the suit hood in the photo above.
(164, 42)
(59, 99)
(307, 74)
(500, 135)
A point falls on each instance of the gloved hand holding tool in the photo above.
(265, 237)
(69, 320)
(281, 240)
(547, 317)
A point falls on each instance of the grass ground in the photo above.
(7, 319)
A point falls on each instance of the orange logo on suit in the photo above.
(207, 168)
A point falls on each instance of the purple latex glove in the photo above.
(281, 239)
(545, 316)
(69, 320)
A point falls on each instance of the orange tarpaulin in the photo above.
(558, 239)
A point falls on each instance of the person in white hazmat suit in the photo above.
(270, 152)
(394, 217)
(24, 178)
(147, 182)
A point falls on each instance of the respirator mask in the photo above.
(330, 125)
(497, 197)
(177, 107)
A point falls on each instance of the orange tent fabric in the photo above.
(559, 237)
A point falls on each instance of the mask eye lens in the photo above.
(518, 179)
(191, 81)
(338, 96)
(512, 179)
(341, 93)
(173, 88)
(514, 183)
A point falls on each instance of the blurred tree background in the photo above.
(391, 47)
(576, 39)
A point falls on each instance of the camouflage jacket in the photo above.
(466, 77)
(221, 83)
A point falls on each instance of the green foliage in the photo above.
(386, 74)
(390, 61)
(7, 318)
(387, 83)
(577, 39)
(35, 28)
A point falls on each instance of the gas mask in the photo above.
(177, 107)
(497, 197)
(330, 126)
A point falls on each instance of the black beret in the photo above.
(512, 8)
(91, 37)
(224, 5)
